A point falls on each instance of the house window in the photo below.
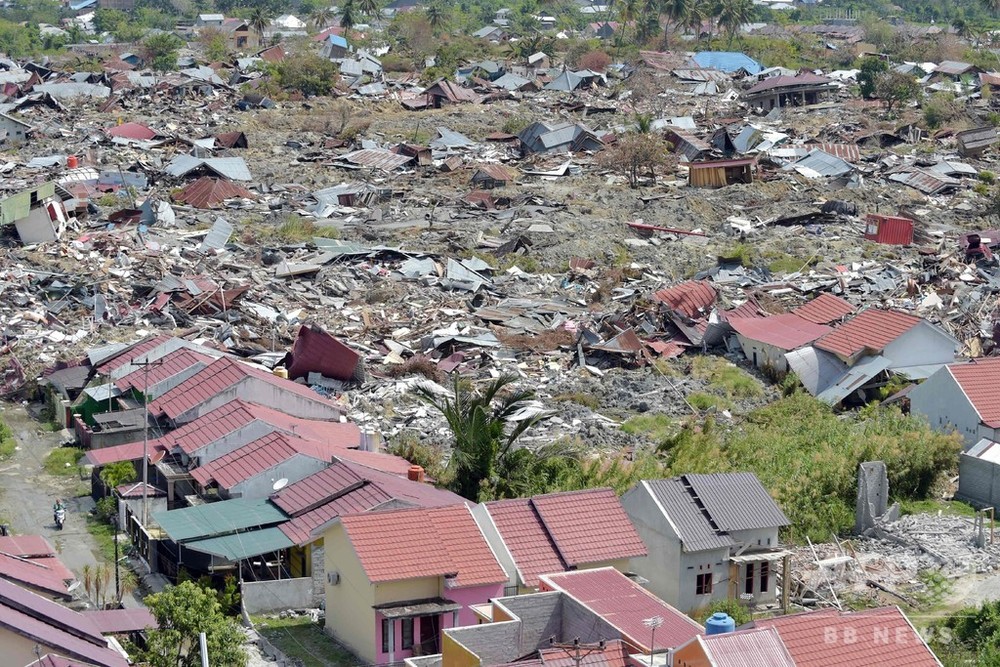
(386, 633)
(241, 42)
(407, 642)
(703, 584)
(748, 580)
(765, 577)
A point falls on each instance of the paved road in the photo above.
(28, 492)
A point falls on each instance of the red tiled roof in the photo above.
(418, 543)
(254, 458)
(786, 331)
(558, 531)
(217, 377)
(130, 451)
(52, 660)
(978, 379)
(614, 654)
(348, 488)
(625, 605)
(208, 192)
(134, 490)
(746, 648)
(136, 131)
(26, 546)
(50, 624)
(871, 638)
(872, 329)
(692, 298)
(824, 309)
(134, 352)
(115, 621)
(31, 560)
(168, 366)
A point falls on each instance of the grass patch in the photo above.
(656, 427)
(63, 461)
(932, 506)
(702, 401)
(786, 264)
(578, 397)
(725, 377)
(295, 229)
(104, 534)
(8, 445)
(301, 639)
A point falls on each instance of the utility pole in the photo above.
(576, 650)
(145, 434)
(652, 623)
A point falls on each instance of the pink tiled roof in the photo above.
(31, 560)
(978, 379)
(614, 654)
(131, 131)
(870, 330)
(417, 543)
(693, 298)
(787, 331)
(134, 352)
(115, 621)
(348, 488)
(130, 451)
(559, 531)
(169, 366)
(217, 377)
(254, 458)
(625, 605)
(872, 638)
(824, 309)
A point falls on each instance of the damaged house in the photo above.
(783, 91)
(37, 213)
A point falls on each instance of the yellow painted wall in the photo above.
(411, 589)
(19, 650)
(500, 614)
(692, 655)
(349, 614)
(454, 654)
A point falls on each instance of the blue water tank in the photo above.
(718, 623)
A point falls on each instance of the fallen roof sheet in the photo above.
(233, 168)
(208, 192)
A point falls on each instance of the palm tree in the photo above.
(694, 17)
(348, 17)
(369, 8)
(437, 16)
(483, 453)
(628, 12)
(258, 21)
(733, 14)
(321, 17)
(676, 12)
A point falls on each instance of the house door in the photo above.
(430, 632)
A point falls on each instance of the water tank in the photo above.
(718, 623)
(281, 372)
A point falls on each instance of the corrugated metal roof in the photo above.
(925, 181)
(220, 518)
(263, 454)
(233, 168)
(168, 366)
(854, 378)
(777, 82)
(787, 331)
(135, 131)
(243, 545)
(625, 605)
(816, 370)
(376, 158)
(693, 298)
(736, 501)
(820, 163)
(116, 621)
(985, 450)
(727, 61)
(746, 648)
(695, 531)
(953, 67)
(208, 192)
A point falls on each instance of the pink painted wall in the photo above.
(466, 597)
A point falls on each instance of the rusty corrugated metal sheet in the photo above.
(888, 229)
(377, 158)
(848, 152)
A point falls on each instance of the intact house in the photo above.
(784, 91)
(542, 535)
(396, 579)
(602, 609)
(709, 537)
(30, 562)
(961, 397)
(857, 355)
(882, 636)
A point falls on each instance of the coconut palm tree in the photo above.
(676, 12)
(483, 452)
(733, 14)
(369, 8)
(321, 17)
(348, 16)
(258, 20)
(694, 17)
(437, 15)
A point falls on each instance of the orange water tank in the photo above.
(72, 162)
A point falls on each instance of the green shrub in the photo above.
(987, 177)
(107, 507)
(8, 444)
(702, 401)
(63, 461)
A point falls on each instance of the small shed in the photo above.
(489, 176)
(973, 143)
(720, 173)
(888, 230)
(979, 475)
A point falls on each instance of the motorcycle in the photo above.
(60, 517)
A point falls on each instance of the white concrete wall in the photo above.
(233, 441)
(763, 355)
(271, 394)
(262, 485)
(715, 561)
(482, 516)
(941, 400)
(661, 565)
(264, 596)
(922, 345)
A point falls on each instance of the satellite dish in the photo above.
(280, 484)
(157, 456)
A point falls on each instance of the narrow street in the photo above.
(27, 492)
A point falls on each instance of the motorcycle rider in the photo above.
(58, 508)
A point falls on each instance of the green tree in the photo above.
(369, 8)
(182, 612)
(676, 12)
(308, 73)
(896, 89)
(694, 16)
(214, 44)
(108, 20)
(437, 16)
(484, 435)
(321, 17)
(870, 68)
(258, 19)
(115, 474)
(18, 41)
(733, 14)
(160, 51)
(348, 16)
